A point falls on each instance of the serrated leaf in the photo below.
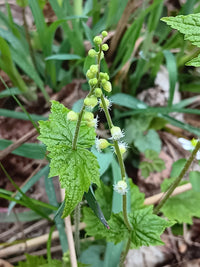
(146, 227)
(58, 130)
(137, 198)
(77, 169)
(188, 25)
(183, 207)
(195, 62)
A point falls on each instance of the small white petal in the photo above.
(186, 144)
(198, 155)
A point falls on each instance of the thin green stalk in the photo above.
(75, 138)
(124, 254)
(121, 164)
(76, 232)
(178, 179)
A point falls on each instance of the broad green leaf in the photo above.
(177, 167)
(188, 25)
(195, 62)
(77, 169)
(60, 131)
(151, 163)
(183, 207)
(195, 180)
(92, 256)
(137, 198)
(149, 141)
(168, 182)
(146, 227)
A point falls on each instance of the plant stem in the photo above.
(123, 256)
(178, 179)
(75, 138)
(76, 232)
(121, 163)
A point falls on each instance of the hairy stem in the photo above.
(178, 179)
(121, 163)
(124, 254)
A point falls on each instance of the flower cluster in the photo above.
(99, 84)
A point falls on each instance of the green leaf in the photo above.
(28, 150)
(152, 163)
(183, 207)
(188, 25)
(9, 92)
(177, 167)
(63, 57)
(195, 62)
(195, 180)
(149, 141)
(92, 256)
(137, 198)
(157, 123)
(77, 169)
(146, 227)
(60, 131)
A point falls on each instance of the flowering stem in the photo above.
(178, 179)
(121, 163)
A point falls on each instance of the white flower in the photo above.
(101, 144)
(107, 101)
(116, 133)
(93, 123)
(122, 147)
(121, 187)
(189, 145)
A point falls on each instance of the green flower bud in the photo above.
(105, 47)
(72, 116)
(107, 87)
(94, 68)
(103, 81)
(98, 92)
(101, 144)
(104, 33)
(97, 40)
(93, 81)
(91, 101)
(116, 133)
(88, 116)
(90, 74)
(92, 53)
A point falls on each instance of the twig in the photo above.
(31, 244)
(70, 239)
(155, 199)
(17, 143)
